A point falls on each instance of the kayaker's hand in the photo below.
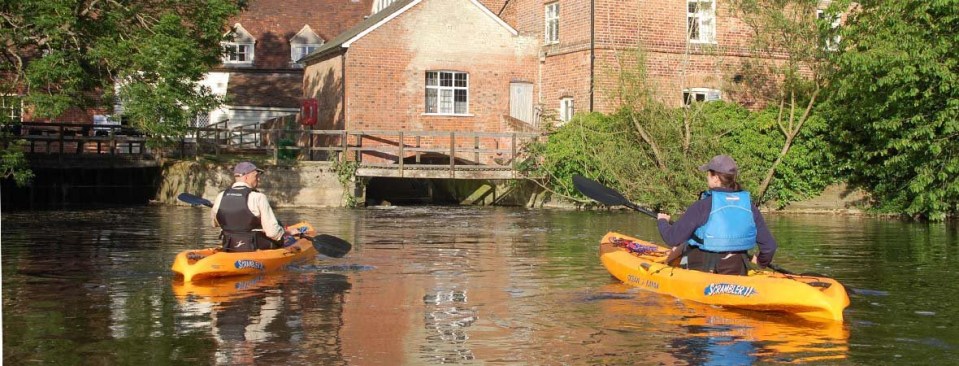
(288, 240)
(662, 216)
(755, 259)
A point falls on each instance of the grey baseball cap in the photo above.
(721, 164)
(244, 168)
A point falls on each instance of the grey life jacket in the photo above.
(242, 231)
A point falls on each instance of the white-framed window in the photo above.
(693, 95)
(380, 5)
(299, 51)
(239, 51)
(447, 92)
(701, 21)
(11, 108)
(302, 44)
(566, 109)
(551, 30)
(831, 44)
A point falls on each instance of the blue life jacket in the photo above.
(730, 226)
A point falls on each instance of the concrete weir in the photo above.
(308, 184)
(316, 184)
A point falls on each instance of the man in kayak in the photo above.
(245, 214)
(715, 232)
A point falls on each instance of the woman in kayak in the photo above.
(715, 232)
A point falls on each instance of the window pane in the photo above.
(431, 78)
(10, 108)
(446, 79)
(461, 80)
(461, 102)
(431, 101)
(693, 28)
(446, 101)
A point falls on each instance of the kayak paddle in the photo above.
(605, 195)
(194, 200)
(327, 245)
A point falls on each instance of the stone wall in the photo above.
(306, 184)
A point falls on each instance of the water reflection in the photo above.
(452, 285)
(709, 335)
(270, 317)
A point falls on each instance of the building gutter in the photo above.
(592, 51)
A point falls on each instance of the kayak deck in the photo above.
(207, 263)
(764, 290)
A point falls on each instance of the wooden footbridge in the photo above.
(398, 154)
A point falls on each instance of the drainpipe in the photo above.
(592, 51)
(343, 79)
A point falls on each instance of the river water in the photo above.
(453, 285)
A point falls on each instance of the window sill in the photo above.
(448, 115)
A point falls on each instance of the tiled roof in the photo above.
(282, 90)
(336, 43)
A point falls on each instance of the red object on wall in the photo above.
(308, 110)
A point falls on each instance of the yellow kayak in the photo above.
(643, 267)
(207, 263)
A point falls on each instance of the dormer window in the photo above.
(239, 52)
(302, 44)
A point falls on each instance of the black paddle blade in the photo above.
(194, 200)
(598, 192)
(606, 195)
(331, 246)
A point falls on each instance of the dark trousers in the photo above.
(246, 241)
(731, 263)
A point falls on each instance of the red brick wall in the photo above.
(657, 26)
(324, 81)
(274, 22)
(386, 69)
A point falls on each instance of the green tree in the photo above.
(789, 46)
(894, 100)
(150, 54)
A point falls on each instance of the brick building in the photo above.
(260, 76)
(566, 55)
(692, 49)
(448, 65)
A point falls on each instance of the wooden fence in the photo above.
(71, 139)
(449, 154)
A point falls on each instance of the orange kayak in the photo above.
(207, 263)
(765, 290)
